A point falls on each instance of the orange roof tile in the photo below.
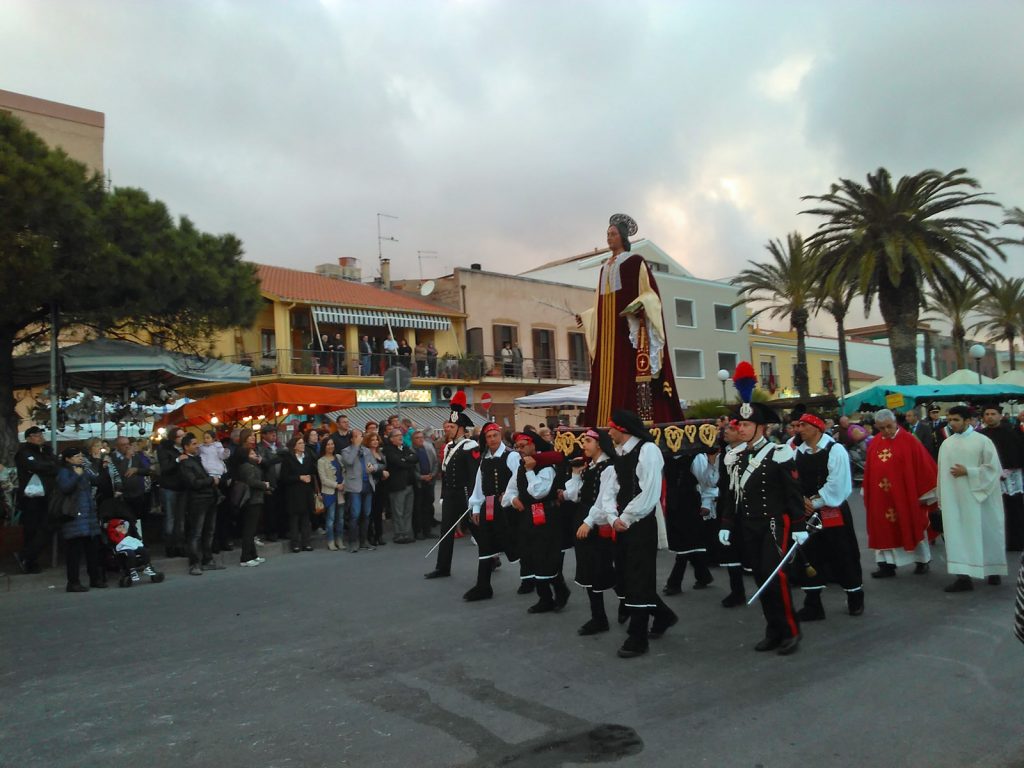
(311, 288)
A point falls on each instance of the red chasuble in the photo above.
(613, 372)
(898, 473)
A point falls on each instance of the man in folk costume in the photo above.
(625, 333)
(591, 488)
(730, 557)
(637, 487)
(972, 506)
(763, 509)
(898, 487)
(458, 474)
(823, 466)
(494, 532)
(691, 488)
(1009, 444)
(533, 496)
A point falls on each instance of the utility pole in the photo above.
(381, 239)
(421, 255)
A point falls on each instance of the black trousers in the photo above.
(375, 521)
(451, 509)
(423, 508)
(73, 551)
(250, 519)
(761, 545)
(202, 521)
(35, 528)
(300, 527)
(835, 555)
(1013, 507)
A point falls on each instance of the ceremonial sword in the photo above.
(813, 526)
(446, 535)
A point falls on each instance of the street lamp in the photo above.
(977, 351)
(723, 376)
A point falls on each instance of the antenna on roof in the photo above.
(421, 255)
(381, 239)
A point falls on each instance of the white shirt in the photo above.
(538, 485)
(512, 459)
(603, 511)
(648, 473)
(839, 485)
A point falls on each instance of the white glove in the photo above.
(800, 537)
(723, 537)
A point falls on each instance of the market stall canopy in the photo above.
(1012, 377)
(109, 366)
(260, 401)
(574, 395)
(875, 396)
(965, 376)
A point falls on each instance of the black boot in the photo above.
(546, 603)
(885, 571)
(598, 618)
(855, 602)
(701, 571)
(562, 593)
(737, 593)
(623, 616)
(636, 642)
(482, 590)
(813, 610)
(526, 585)
(674, 585)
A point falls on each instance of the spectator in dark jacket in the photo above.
(250, 476)
(201, 504)
(402, 463)
(169, 456)
(37, 470)
(298, 469)
(270, 462)
(133, 468)
(76, 479)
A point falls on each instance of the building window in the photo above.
(504, 334)
(827, 382)
(268, 343)
(724, 319)
(768, 379)
(684, 313)
(579, 357)
(544, 353)
(689, 364)
(475, 342)
(727, 361)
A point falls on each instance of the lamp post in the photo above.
(723, 376)
(977, 351)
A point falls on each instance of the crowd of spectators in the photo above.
(328, 356)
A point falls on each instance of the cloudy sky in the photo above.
(506, 132)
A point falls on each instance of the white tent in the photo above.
(1012, 377)
(574, 395)
(966, 376)
(890, 381)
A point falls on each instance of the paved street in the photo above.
(332, 659)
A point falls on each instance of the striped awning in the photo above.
(378, 317)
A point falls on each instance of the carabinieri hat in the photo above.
(458, 406)
(744, 379)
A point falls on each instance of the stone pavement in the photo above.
(333, 659)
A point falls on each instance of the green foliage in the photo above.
(709, 408)
(1002, 313)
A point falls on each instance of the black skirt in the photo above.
(595, 562)
(636, 563)
(541, 544)
(497, 536)
(684, 525)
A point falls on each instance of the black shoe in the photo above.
(855, 602)
(478, 593)
(885, 571)
(419, 537)
(124, 581)
(733, 599)
(632, 648)
(213, 565)
(768, 644)
(381, 543)
(623, 616)
(811, 613)
(593, 627)
(921, 568)
(76, 588)
(307, 548)
(296, 550)
(525, 587)
(542, 606)
(789, 646)
(562, 594)
(97, 585)
(671, 589)
(961, 584)
(995, 581)
(436, 574)
(659, 628)
(429, 535)
(22, 564)
(703, 584)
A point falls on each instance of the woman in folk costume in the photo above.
(626, 336)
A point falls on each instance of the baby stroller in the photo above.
(128, 554)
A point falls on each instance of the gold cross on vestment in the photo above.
(890, 514)
(885, 485)
(884, 455)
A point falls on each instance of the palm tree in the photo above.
(1002, 313)
(893, 241)
(835, 298)
(954, 303)
(786, 284)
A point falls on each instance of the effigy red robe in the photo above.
(614, 367)
(899, 471)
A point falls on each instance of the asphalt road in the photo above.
(332, 659)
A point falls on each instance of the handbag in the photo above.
(318, 504)
(61, 509)
(238, 494)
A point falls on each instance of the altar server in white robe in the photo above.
(972, 504)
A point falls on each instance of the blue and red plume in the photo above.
(744, 379)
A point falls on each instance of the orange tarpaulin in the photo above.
(263, 400)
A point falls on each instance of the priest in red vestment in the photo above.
(626, 336)
(899, 484)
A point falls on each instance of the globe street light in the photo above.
(723, 376)
(977, 352)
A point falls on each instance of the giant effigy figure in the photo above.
(626, 336)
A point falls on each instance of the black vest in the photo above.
(591, 487)
(494, 475)
(524, 495)
(679, 479)
(813, 470)
(625, 470)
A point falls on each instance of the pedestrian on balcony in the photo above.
(321, 353)
(420, 359)
(365, 355)
(517, 360)
(507, 363)
(404, 354)
(338, 347)
(390, 351)
(431, 360)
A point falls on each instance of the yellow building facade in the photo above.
(773, 355)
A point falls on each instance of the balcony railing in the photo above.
(445, 367)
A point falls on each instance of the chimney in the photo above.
(385, 274)
(475, 267)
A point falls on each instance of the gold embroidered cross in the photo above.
(890, 514)
(885, 485)
(884, 455)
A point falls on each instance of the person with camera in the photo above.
(76, 479)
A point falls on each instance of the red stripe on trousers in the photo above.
(787, 601)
